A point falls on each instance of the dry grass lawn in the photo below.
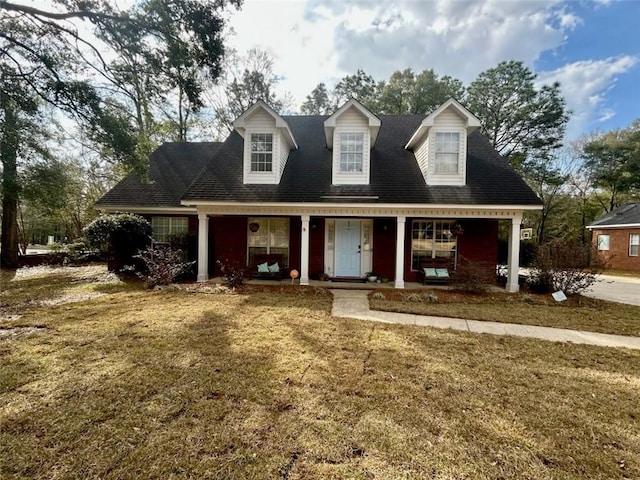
(266, 384)
(577, 313)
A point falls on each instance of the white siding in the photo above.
(284, 154)
(422, 156)
(351, 121)
(262, 122)
(447, 121)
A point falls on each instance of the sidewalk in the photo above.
(355, 304)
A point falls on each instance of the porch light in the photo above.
(254, 227)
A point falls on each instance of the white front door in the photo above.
(348, 248)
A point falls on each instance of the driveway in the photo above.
(616, 289)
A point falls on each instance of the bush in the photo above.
(563, 265)
(473, 277)
(233, 273)
(162, 265)
(120, 236)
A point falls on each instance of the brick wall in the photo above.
(618, 255)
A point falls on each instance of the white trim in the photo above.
(372, 209)
(621, 225)
(281, 124)
(472, 122)
(154, 210)
(372, 120)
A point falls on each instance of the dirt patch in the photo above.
(17, 332)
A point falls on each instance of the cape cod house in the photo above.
(338, 195)
(616, 236)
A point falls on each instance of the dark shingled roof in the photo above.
(395, 175)
(626, 214)
(172, 168)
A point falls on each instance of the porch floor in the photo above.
(348, 285)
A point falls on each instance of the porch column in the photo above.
(304, 251)
(514, 255)
(399, 282)
(203, 247)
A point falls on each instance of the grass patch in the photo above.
(266, 384)
(579, 313)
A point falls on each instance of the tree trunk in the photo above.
(10, 188)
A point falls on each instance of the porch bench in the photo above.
(436, 270)
(270, 260)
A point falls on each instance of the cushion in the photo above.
(442, 272)
(263, 267)
(430, 272)
(275, 268)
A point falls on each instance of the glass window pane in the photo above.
(603, 242)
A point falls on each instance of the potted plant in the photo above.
(371, 276)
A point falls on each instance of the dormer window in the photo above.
(261, 152)
(439, 144)
(267, 142)
(351, 150)
(447, 153)
(351, 133)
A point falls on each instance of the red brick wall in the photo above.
(227, 240)
(618, 255)
(384, 247)
(316, 247)
(478, 243)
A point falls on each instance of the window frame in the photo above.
(359, 142)
(438, 156)
(267, 153)
(635, 244)
(434, 226)
(176, 225)
(271, 237)
(601, 243)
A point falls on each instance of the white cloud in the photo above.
(322, 40)
(585, 85)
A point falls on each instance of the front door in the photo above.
(348, 248)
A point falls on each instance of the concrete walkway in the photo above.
(355, 304)
(616, 289)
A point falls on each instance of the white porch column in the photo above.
(514, 255)
(399, 282)
(203, 247)
(304, 251)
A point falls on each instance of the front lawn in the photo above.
(266, 384)
(577, 313)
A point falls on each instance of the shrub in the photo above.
(412, 297)
(233, 272)
(120, 236)
(563, 265)
(162, 265)
(431, 297)
(472, 277)
(378, 296)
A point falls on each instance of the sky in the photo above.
(591, 47)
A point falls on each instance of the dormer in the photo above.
(351, 133)
(440, 144)
(267, 142)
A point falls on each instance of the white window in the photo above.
(164, 228)
(432, 239)
(261, 152)
(270, 236)
(603, 242)
(447, 153)
(351, 152)
(634, 244)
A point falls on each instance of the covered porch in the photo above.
(348, 241)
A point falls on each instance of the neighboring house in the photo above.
(339, 195)
(617, 237)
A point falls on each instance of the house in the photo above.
(616, 236)
(339, 195)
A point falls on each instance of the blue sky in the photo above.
(591, 47)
